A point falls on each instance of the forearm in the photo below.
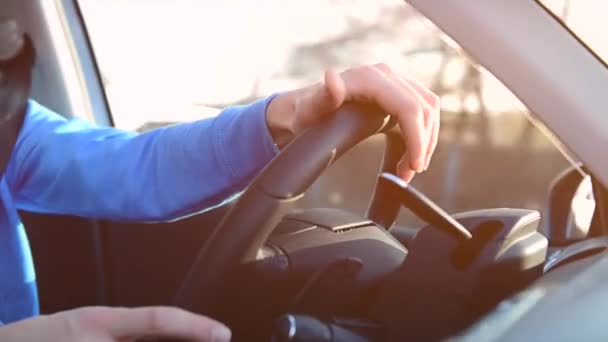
(70, 167)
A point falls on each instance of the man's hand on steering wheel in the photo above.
(415, 107)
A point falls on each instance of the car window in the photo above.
(178, 60)
(586, 19)
(171, 60)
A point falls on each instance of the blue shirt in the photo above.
(72, 167)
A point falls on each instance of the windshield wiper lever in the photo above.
(423, 207)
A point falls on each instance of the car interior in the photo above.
(275, 271)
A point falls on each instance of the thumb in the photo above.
(319, 100)
(335, 89)
(326, 96)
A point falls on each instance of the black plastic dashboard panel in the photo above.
(335, 220)
(448, 284)
(312, 268)
(568, 304)
(314, 237)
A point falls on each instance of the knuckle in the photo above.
(415, 108)
(155, 321)
(88, 317)
(373, 70)
(384, 67)
(73, 324)
(429, 116)
(369, 69)
(435, 101)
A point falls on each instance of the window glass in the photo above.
(586, 18)
(167, 60)
(176, 60)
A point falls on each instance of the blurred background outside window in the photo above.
(166, 61)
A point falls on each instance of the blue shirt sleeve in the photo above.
(73, 167)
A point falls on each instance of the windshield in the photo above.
(586, 19)
(166, 61)
(156, 55)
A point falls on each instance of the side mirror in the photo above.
(569, 209)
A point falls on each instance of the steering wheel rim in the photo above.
(255, 214)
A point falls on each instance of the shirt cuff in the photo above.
(242, 140)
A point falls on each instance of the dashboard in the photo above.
(568, 303)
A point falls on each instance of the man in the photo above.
(72, 167)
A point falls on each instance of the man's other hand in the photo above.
(104, 324)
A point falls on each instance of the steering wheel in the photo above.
(258, 210)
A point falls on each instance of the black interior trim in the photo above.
(66, 261)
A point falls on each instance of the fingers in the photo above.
(372, 84)
(432, 143)
(428, 112)
(415, 108)
(435, 106)
(431, 109)
(165, 322)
